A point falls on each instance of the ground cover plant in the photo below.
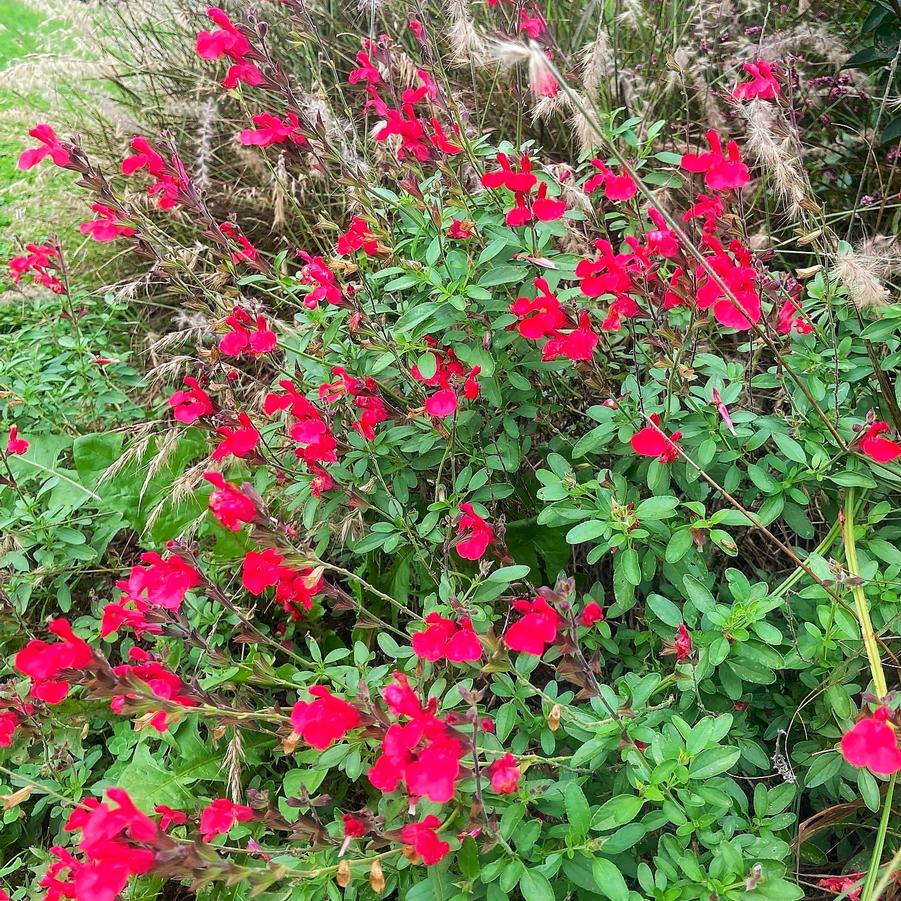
(515, 517)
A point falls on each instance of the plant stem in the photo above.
(877, 673)
(873, 870)
(860, 599)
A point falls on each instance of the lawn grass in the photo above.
(23, 30)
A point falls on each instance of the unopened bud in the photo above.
(376, 878)
(343, 875)
(553, 718)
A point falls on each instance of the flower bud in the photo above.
(553, 718)
(376, 878)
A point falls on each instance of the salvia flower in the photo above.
(423, 837)
(325, 719)
(15, 446)
(246, 335)
(535, 629)
(357, 237)
(872, 742)
(474, 534)
(106, 226)
(44, 662)
(763, 84)
(269, 129)
(876, 447)
(722, 171)
(240, 440)
(444, 639)
(160, 582)
(616, 187)
(652, 442)
(228, 41)
(189, 405)
(229, 504)
(505, 775)
(37, 261)
(218, 817)
(591, 613)
(50, 146)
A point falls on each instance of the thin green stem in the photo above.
(873, 870)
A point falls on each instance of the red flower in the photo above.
(324, 720)
(107, 226)
(244, 72)
(37, 261)
(244, 252)
(192, 404)
(616, 187)
(682, 645)
(533, 25)
(739, 277)
(229, 504)
(459, 231)
(15, 446)
(296, 593)
(224, 41)
(609, 274)
(271, 130)
(160, 582)
(357, 237)
(535, 630)
(444, 639)
(547, 209)
(242, 339)
(8, 723)
(651, 442)
(724, 172)
(519, 181)
(880, 449)
(622, 306)
(353, 826)
(162, 682)
(842, 885)
(366, 71)
(316, 272)
(119, 615)
(51, 146)
(592, 613)
(44, 662)
(170, 817)
(218, 817)
(263, 569)
(789, 321)
(434, 770)
(239, 442)
(579, 344)
(541, 316)
(424, 839)
(762, 86)
(440, 140)
(872, 742)
(505, 775)
(474, 534)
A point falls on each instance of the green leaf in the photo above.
(507, 574)
(712, 762)
(535, 886)
(609, 879)
(586, 531)
(616, 812)
(823, 768)
(699, 595)
(656, 508)
(577, 811)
